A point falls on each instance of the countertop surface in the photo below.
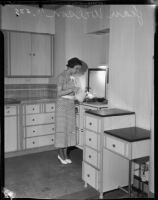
(28, 100)
(11, 101)
(109, 112)
(130, 134)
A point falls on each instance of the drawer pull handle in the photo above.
(33, 131)
(90, 123)
(114, 145)
(89, 156)
(52, 140)
(88, 175)
(52, 107)
(53, 129)
(33, 109)
(90, 139)
(33, 119)
(52, 117)
(33, 142)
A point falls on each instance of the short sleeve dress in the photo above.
(65, 135)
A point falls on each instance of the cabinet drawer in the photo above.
(32, 109)
(92, 140)
(39, 141)
(40, 118)
(40, 130)
(50, 107)
(115, 145)
(91, 123)
(90, 175)
(92, 157)
(10, 110)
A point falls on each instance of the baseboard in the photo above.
(29, 151)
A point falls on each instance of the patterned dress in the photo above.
(65, 115)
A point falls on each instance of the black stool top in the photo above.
(142, 160)
(130, 134)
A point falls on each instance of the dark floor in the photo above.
(42, 176)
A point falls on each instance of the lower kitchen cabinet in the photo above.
(38, 125)
(80, 120)
(99, 165)
(11, 128)
(29, 126)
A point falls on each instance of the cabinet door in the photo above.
(20, 54)
(41, 55)
(10, 134)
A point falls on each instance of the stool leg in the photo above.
(129, 179)
(140, 178)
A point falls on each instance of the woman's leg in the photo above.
(65, 152)
(67, 157)
(61, 153)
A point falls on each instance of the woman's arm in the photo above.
(62, 92)
(70, 89)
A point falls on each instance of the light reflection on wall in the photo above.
(97, 83)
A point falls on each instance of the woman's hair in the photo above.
(73, 61)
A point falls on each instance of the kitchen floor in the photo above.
(42, 176)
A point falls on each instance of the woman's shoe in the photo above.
(68, 160)
(62, 161)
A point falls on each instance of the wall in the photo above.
(93, 49)
(59, 46)
(131, 62)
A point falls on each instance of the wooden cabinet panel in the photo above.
(10, 110)
(92, 139)
(92, 157)
(40, 130)
(50, 107)
(90, 175)
(115, 171)
(29, 54)
(10, 133)
(39, 141)
(20, 54)
(115, 145)
(91, 123)
(30, 109)
(41, 55)
(42, 118)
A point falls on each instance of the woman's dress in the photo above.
(65, 115)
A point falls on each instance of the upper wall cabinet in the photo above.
(98, 19)
(28, 54)
(27, 18)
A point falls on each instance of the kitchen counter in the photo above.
(130, 134)
(11, 101)
(28, 100)
(109, 112)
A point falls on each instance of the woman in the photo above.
(65, 109)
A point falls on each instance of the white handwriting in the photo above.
(84, 14)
